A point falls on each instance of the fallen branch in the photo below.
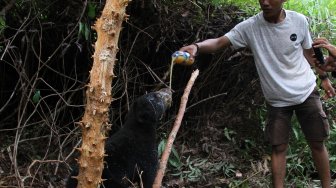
(172, 135)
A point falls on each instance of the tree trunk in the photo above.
(95, 122)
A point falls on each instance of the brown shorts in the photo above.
(310, 115)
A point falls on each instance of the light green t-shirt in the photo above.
(285, 75)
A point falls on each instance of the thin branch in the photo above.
(172, 135)
(206, 99)
(10, 98)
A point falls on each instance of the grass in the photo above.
(321, 13)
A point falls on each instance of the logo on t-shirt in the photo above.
(293, 37)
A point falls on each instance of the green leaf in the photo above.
(2, 24)
(36, 97)
(81, 28)
(174, 159)
(87, 32)
(296, 133)
(161, 146)
(174, 162)
(91, 10)
(175, 154)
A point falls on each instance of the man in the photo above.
(331, 59)
(282, 48)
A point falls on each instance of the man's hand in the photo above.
(326, 85)
(330, 64)
(192, 49)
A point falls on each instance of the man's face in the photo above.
(271, 7)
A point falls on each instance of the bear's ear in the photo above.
(144, 111)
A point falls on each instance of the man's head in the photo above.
(271, 8)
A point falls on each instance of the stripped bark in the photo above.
(173, 133)
(95, 122)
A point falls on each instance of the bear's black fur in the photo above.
(132, 151)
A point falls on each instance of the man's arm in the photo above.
(207, 46)
(325, 82)
(309, 55)
(213, 45)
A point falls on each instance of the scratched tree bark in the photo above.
(95, 122)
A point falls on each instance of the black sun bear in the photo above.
(132, 151)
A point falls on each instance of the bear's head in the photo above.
(149, 108)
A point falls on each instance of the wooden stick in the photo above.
(173, 133)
